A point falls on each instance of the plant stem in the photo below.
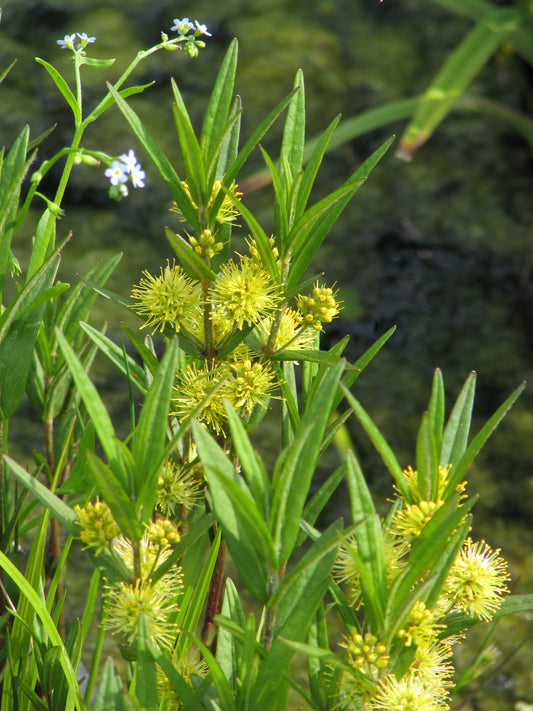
(215, 594)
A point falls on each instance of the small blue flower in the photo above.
(137, 176)
(85, 39)
(129, 159)
(202, 29)
(67, 42)
(117, 173)
(182, 26)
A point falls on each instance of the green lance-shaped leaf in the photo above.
(457, 473)
(93, 403)
(280, 204)
(455, 437)
(436, 408)
(151, 432)
(291, 487)
(257, 135)
(108, 101)
(190, 148)
(311, 218)
(110, 690)
(310, 239)
(312, 356)
(19, 327)
(370, 544)
(261, 239)
(12, 172)
(220, 100)
(380, 444)
(64, 514)
(146, 676)
(427, 460)
(252, 464)
(225, 153)
(227, 654)
(292, 144)
(245, 531)
(462, 65)
(313, 164)
(196, 589)
(116, 495)
(63, 88)
(158, 156)
(320, 499)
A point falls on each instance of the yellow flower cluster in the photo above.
(475, 585)
(178, 487)
(170, 299)
(98, 526)
(321, 307)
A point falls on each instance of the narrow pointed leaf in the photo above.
(244, 530)
(91, 399)
(320, 499)
(313, 165)
(261, 239)
(427, 461)
(64, 514)
(380, 444)
(112, 490)
(63, 87)
(299, 597)
(455, 437)
(310, 240)
(257, 135)
(151, 431)
(217, 111)
(292, 486)
(116, 355)
(481, 437)
(436, 408)
(461, 66)
(368, 535)
(19, 328)
(227, 650)
(146, 680)
(190, 148)
(292, 144)
(250, 460)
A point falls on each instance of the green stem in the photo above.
(275, 578)
(209, 336)
(215, 595)
(95, 666)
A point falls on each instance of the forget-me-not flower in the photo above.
(85, 39)
(182, 26)
(202, 29)
(67, 42)
(129, 159)
(117, 173)
(137, 176)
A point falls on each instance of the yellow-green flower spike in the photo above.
(171, 298)
(98, 526)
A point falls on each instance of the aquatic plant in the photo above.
(158, 511)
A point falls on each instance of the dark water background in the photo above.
(442, 247)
